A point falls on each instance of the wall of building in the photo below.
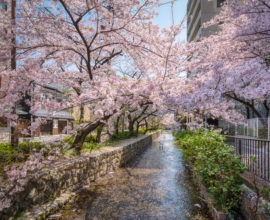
(76, 113)
(199, 12)
(69, 175)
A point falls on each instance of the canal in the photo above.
(156, 185)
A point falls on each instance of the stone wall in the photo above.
(68, 175)
(253, 208)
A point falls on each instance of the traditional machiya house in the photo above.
(56, 122)
(53, 123)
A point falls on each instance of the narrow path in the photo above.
(155, 186)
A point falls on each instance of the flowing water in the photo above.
(156, 185)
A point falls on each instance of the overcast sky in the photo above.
(165, 19)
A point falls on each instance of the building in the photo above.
(198, 12)
(54, 122)
(58, 122)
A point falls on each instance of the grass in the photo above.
(122, 136)
(90, 146)
(9, 154)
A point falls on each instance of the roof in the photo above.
(59, 114)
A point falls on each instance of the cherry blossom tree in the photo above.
(232, 66)
(77, 44)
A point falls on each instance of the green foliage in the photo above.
(27, 147)
(182, 134)
(214, 161)
(69, 140)
(122, 136)
(7, 153)
(90, 138)
(266, 208)
(266, 193)
(263, 132)
(90, 146)
(141, 131)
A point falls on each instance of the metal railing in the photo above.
(254, 153)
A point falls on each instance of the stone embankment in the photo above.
(251, 207)
(50, 188)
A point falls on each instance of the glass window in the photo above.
(3, 5)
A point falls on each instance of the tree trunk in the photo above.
(82, 133)
(99, 131)
(137, 128)
(116, 125)
(130, 125)
(123, 123)
(14, 139)
(14, 130)
(81, 114)
(251, 106)
(146, 126)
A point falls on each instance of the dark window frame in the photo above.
(220, 3)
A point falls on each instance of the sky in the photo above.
(164, 19)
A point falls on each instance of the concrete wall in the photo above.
(207, 10)
(69, 175)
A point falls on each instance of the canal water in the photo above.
(156, 185)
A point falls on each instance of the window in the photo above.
(3, 5)
(220, 3)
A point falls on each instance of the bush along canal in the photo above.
(156, 185)
(216, 170)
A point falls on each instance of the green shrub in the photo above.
(214, 161)
(7, 153)
(27, 147)
(122, 136)
(266, 193)
(69, 140)
(183, 133)
(90, 138)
